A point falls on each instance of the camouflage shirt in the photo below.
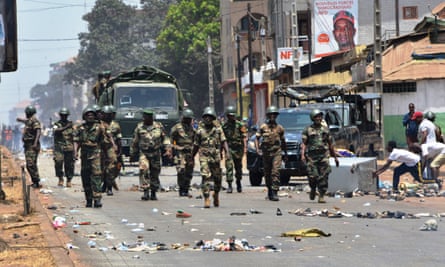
(116, 131)
(30, 131)
(209, 140)
(90, 136)
(235, 132)
(148, 138)
(63, 140)
(183, 135)
(317, 139)
(272, 135)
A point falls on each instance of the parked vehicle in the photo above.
(138, 89)
(294, 120)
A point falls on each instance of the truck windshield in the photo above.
(295, 121)
(146, 97)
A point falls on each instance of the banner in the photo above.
(335, 26)
(286, 56)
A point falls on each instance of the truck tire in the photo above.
(255, 178)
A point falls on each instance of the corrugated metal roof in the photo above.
(399, 65)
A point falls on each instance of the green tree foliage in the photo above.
(183, 44)
(119, 37)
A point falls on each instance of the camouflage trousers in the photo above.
(318, 173)
(211, 173)
(236, 163)
(149, 170)
(110, 170)
(91, 173)
(184, 167)
(272, 165)
(64, 163)
(31, 156)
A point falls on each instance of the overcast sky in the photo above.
(47, 33)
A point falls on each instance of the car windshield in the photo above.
(294, 121)
(146, 97)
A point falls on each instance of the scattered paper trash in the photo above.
(429, 225)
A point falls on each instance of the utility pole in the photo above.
(209, 53)
(296, 65)
(251, 85)
(239, 69)
(263, 38)
(378, 78)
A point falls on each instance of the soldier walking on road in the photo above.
(89, 138)
(236, 135)
(316, 146)
(31, 143)
(116, 132)
(209, 141)
(148, 138)
(109, 155)
(64, 148)
(182, 136)
(273, 143)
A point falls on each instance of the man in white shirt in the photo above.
(435, 154)
(427, 129)
(410, 163)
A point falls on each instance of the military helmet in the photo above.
(272, 110)
(231, 110)
(188, 114)
(113, 109)
(148, 111)
(314, 113)
(209, 111)
(88, 109)
(96, 108)
(430, 115)
(30, 110)
(64, 111)
(107, 109)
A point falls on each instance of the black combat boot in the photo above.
(153, 195)
(239, 188)
(97, 203)
(89, 203)
(274, 196)
(109, 191)
(229, 188)
(146, 195)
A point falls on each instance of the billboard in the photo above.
(335, 26)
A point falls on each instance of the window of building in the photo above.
(410, 12)
(408, 87)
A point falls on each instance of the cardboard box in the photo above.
(353, 173)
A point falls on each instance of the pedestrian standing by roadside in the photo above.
(210, 141)
(411, 127)
(31, 143)
(182, 136)
(273, 143)
(316, 147)
(148, 138)
(426, 129)
(89, 138)
(64, 148)
(236, 135)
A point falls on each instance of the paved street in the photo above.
(126, 220)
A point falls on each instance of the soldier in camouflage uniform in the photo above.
(116, 132)
(31, 143)
(273, 143)
(64, 147)
(89, 138)
(316, 146)
(182, 136)
(148, 138)
(109, 155)
(236, 134)
(209, 140)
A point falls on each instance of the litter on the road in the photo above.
(182, 214)
(430, 225)
(307, 232)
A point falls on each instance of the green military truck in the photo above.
(143, 87)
